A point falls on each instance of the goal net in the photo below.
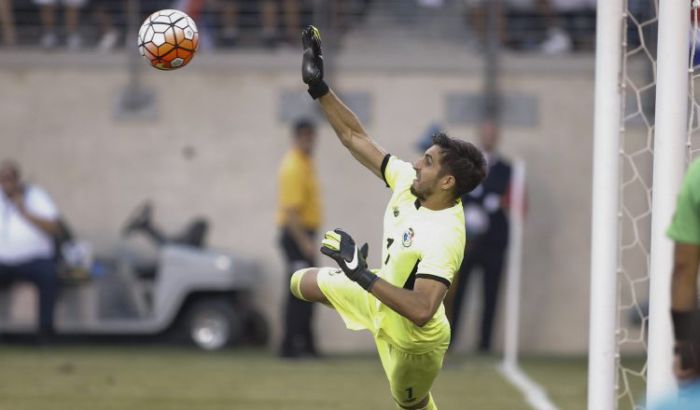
(693, 140)
(638, 84)
(644, 143)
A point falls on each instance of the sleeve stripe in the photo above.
(385, 162)
(434, 277)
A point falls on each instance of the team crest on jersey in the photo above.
(407, 238)
(396, 211)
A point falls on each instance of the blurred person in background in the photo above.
(47, 13)
(685, 232)
(269, 16)
(574, 24)
(486, 215)
(28, 225)
(299, 216)
(556, 41)
(228, 12)
(105, 10)
(198, 10)
(7, 21)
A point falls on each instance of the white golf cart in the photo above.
(199, 294)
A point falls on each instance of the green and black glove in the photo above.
(353, 261)
(312, 62)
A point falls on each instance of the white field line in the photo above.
(535, 395)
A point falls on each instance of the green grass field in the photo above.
(153, 378)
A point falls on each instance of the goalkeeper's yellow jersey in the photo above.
(418, 243)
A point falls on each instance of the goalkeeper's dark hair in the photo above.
(463, 160)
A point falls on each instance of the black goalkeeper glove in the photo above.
(341, 247)
(312, 62)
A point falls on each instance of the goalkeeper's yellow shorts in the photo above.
(410, 375)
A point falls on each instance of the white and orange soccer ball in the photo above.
(168, 39)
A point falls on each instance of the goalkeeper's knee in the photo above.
(428, 406)
(431, 403)
(295, 283)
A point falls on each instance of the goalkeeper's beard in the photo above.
(421, 195)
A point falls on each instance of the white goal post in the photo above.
(669, 159)
(604, 222)
(669, 165)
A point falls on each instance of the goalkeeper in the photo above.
(423, 244)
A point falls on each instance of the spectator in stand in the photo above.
(229, 22)
(269, 13)
(7, 22)
(104, 11)
(28, 226)
(198, 11)
(47, 14)
(570, 10)
(557, 40)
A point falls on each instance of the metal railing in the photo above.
(232, 24)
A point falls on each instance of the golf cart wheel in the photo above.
(213, 324)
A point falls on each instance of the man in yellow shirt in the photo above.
(401, 303)
(299, 216)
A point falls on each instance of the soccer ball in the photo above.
(168, 39)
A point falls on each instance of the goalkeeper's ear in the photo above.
(364, 250)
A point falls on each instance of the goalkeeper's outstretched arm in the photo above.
(345, 123)
(351, 133)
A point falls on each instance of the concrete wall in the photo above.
(56, 117)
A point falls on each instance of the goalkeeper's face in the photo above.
(429, 177)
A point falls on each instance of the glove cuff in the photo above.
(683, 324)
(318, 90)
(366, 279)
